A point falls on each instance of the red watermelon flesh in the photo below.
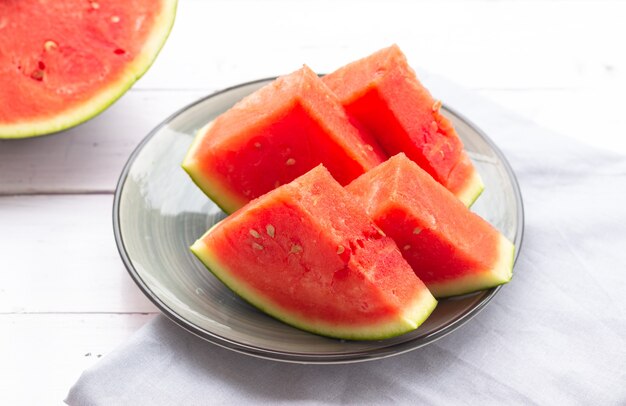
(63, 62)
(275, 135)
(451, 249)
(382, 92)
(306, 254)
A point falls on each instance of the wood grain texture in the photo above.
(59, 256)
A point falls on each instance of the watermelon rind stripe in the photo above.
(413, 315)
(499, 274)
(107, 96)
(221, 195)
(472, 190)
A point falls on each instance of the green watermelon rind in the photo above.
(474, 187)
(107, 96)
(413, 316)
(213, 188)
(500, 273)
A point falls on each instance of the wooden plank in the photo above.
(59, 255)
(90, 158)
(43, 355)
(479, 44)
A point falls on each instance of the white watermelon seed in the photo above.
(257, 246)
(295, 249)
(254, 233)
(270, 230)
(49, 45)
(95, 5)
(437, 105)
(290, 162)
(340, 249)
(115, 19)
(406, 247)
(417, 230)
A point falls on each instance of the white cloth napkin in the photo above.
(555, 335)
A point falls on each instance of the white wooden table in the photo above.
(65, 297)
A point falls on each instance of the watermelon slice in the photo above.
(382, 92)
(62, 63)
(451, 249)
(273, 136)
(306, 254)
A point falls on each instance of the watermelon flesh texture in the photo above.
(273, 136)
(62, 63)
(452, 250)
(382, 92)
(306, 254)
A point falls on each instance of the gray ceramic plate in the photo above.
(158, 213)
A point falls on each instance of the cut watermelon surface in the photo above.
(308, 255)
(382, 92)
(273, 136)
(63, 62)
(452, 250)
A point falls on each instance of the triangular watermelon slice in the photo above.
(62, 62)
(274, 135)
(450, 248)
(307, 254)
(382, 92)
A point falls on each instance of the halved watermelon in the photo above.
(452, 250)
(308, 255)
(62, 62)
(273, 136)
(382, 92)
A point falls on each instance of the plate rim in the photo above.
(285, 356)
